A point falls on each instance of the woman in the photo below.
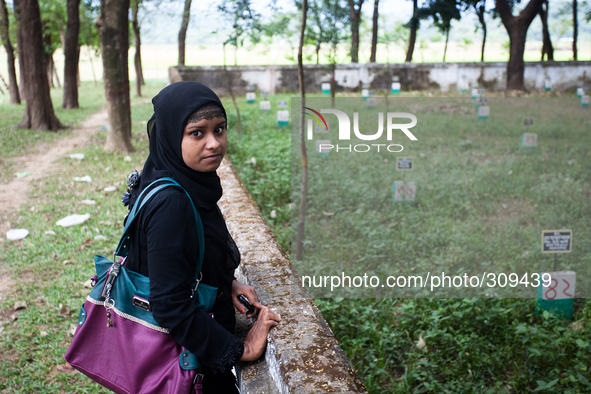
(188, 139)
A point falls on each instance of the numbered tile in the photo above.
(585, 101)
(265, 106)
(411, 191)
(529, 140)
(475, 93)
(396, 87)
(580, 92)
(483, 112)
(282, 118)
(558, 297)
(251, 97)
(325, 88)
(364, 93)
(372, 102)
(547, 85)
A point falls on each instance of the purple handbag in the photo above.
(117, 343)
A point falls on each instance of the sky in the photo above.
(161, 24)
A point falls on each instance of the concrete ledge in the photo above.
(446, 77)
(302, 354)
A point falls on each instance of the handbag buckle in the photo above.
(197, 284)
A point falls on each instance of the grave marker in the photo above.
(325, 88)
(483, 112)
(396, 85)
(282, 104)
(250, 97)
(529, 140)
(372, 102)
(585, 101)
(265, 106)
(404, 164)
(282, 118)
(558, 297)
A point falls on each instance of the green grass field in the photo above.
(473, 345)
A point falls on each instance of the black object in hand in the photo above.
(246, 303)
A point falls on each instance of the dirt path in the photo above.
(40, 165)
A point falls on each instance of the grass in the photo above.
(19, 142)
(467, 206)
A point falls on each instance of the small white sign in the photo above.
(364, 92)
(396, 86)
(585, 101)
(529, 139)
(372, 102)
(562, 285)
(483, 111)
(326, 87)
(251, 96)
(404, 191)
(580, 92)
(283, 116)
(265, 105)
(475, 93)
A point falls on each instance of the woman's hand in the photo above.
(249, 292)
(256, 340)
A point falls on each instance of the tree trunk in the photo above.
(48, 56)
(229, 80)
(71, 56)
(15, 97)
(137, 59)
(374, 33)
(39, 114)
(318, 54)
(113, 26)
(446, 40)
(575, 29)
(413, 32)
(480, 13)
(355, 17)
(547, 48)
(183, 32)
(304, 191)
(517, 28)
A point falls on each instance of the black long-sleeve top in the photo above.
(165, 248)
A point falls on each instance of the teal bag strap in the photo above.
(125, 241)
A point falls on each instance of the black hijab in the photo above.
(172, 107)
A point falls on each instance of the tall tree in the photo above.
(442, 12)
(517, 27)
(113, 26)
(137, 59)
(15, 97)
(479, 7)
(39, 113)
(355, 17)
(304, 191)
(374, 33)
(71, 55)
(575, 29)
(547, 48)
(413, 25)
(183, 32)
